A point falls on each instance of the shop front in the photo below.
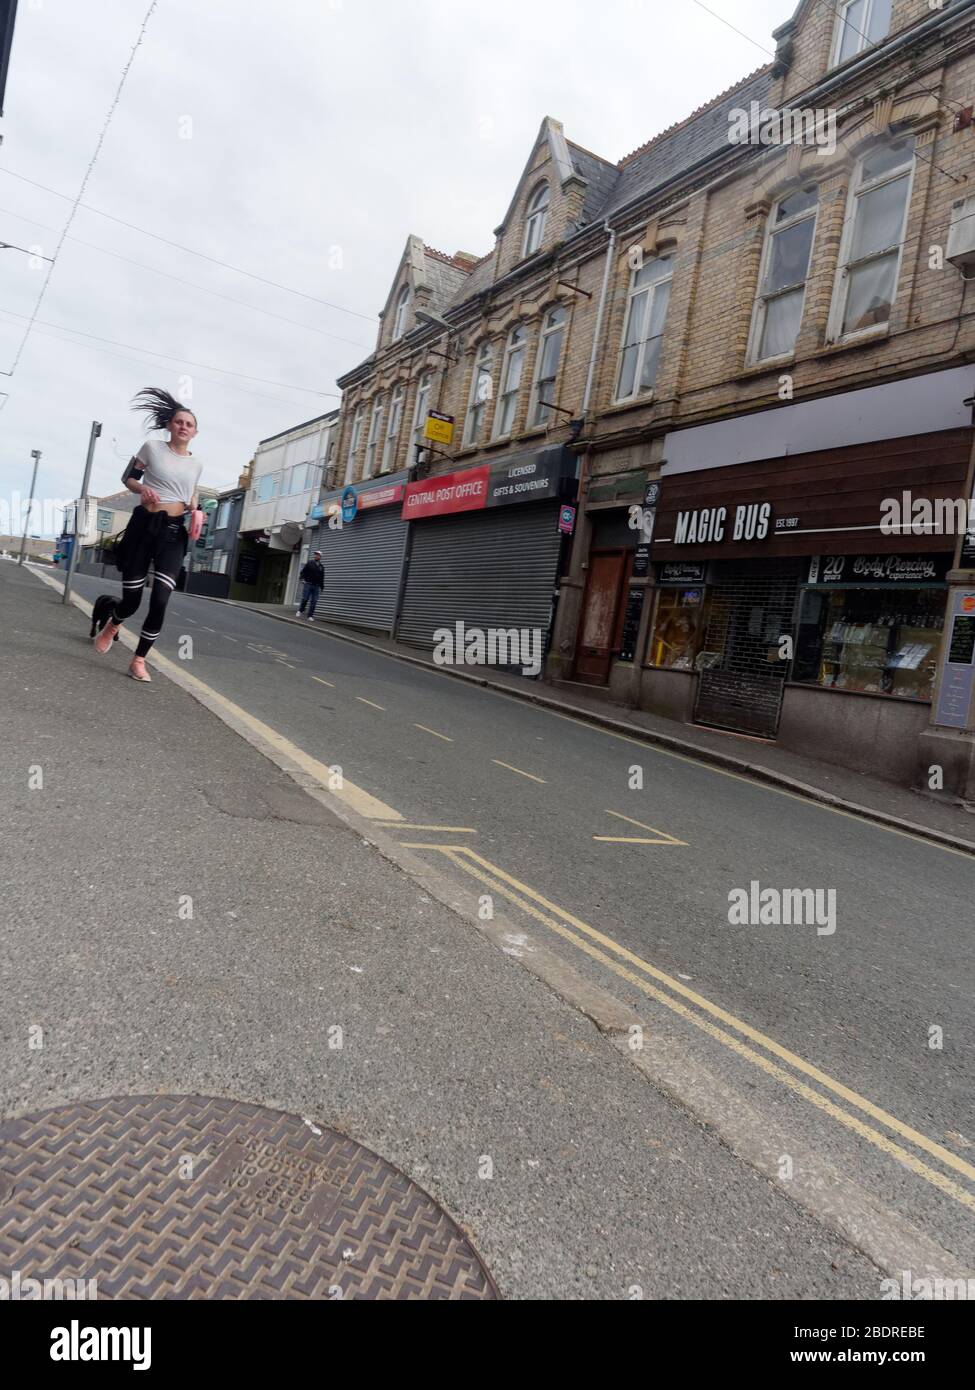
(611, 604)
(785, 609)
(486, 545)
(362, 536)
(261, 571)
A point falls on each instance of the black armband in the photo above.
(135, 470)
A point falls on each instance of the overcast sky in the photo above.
(321, 133)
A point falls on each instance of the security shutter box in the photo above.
(491, 569)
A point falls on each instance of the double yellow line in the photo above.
(701, 1011)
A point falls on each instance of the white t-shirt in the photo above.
(174, 476)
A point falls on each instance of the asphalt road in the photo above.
(554, 807)
(601, 1185)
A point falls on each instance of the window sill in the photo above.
(534, 433)
(767, 365)
(861, 340)
(618, 407)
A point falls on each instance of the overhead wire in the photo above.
(84, 184)
(217, 294)
(176, 357)
(203, 255)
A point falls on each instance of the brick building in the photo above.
(759, 339)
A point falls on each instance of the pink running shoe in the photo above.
(106, 637)
(137, 669)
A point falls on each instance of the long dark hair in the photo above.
(159, 407)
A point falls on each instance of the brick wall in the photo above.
(715, 235)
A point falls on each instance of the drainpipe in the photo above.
(562, 650)
(597, 331)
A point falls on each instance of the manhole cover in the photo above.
(195, 1197)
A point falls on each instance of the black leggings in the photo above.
(160, 540)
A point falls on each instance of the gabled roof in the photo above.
(565, 164)
(610, 187)
(798, 14)
(435, 275)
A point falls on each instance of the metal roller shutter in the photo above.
(363, 564)
(486, 569)
(748, 613)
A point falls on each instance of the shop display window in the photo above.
(677, 629)
(878, 641)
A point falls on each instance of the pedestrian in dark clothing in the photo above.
(313, 578)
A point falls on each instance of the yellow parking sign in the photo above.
(439, 428)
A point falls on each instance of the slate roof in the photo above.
(601, 176)
(446, 275)
(703, 133)
(480, 278)
(612, 186)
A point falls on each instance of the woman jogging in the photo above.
(165, 477)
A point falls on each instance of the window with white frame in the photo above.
(392, 431)
(481, 392)
(355, 434)
(268, 486)
(547, 367)
(873, 236)
(646, 314)
(372, 443)
(223, 516)
(514, 363)
(399, 321)
(859, 25)
(785, 269)
(535, 216)
(421, 410)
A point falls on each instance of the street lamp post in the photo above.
(96, 430)
(36, 456)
